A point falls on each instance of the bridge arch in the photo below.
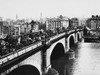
(71, 41)
(78, 37)
(57, 52)
(25, 70)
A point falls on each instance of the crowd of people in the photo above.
(13, 43)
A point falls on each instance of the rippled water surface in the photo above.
(86, 62)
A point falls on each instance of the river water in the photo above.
(86, 61)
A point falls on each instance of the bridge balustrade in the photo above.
(48, 40)
(15, 54)
(19, 52)
(56, 36)
(70, 31)
(59, 35)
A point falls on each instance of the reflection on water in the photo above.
(86, 62)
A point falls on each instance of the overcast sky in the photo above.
(49, 8)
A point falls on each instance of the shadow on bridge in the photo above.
(25, 70)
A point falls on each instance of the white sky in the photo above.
(49, 8)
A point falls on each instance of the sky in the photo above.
(48, 8)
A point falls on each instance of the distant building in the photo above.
(1, 19)
(64, 21)
(1, 26)
(42, 26)
(59, 22)
(34, 26)
(51, 23)
(82, 22)
(11, 27)
(93, 22)
(74, 22)
(17, 29)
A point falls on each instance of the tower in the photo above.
(16, 17)
(41, 19)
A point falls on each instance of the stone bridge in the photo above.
(37, 58)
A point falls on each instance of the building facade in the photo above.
(93, 22)
(12, 27)
(74, 22)
(59, 22)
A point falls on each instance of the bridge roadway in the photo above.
(8, 62)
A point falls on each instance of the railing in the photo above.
(48, 40)
(71, 31)
(15, 54)
(26, 49)
(57, 36)
(19, 52)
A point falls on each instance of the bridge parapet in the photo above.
(61, 34)
(31, 47)
(48, 41)
(70, 31)
(57, 36)
(19, 52)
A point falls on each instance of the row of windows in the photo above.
(54, 24)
